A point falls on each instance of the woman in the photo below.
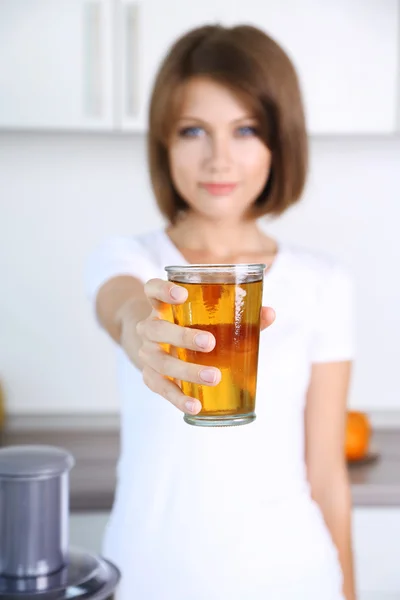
(260, 511)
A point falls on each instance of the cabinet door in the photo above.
(146, 30)
(376, 542)
(56, 64)
(345, 52)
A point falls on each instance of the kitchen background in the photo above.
(74, 83)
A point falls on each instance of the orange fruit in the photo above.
(357, 435)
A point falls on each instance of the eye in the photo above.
(247, 131)
(191, 132)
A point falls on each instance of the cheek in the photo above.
(184, 162)
(256, 160)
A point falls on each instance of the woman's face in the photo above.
(218, 163)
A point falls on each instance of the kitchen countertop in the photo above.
(92, 480)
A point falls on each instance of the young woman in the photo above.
(260, 511)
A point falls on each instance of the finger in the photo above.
(170, 366)
(164, 332)
(159, 291)
(170, 391)
(267, 317)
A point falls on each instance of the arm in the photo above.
(122, 300)
(137, 317)
(132, 314)
(325, 458)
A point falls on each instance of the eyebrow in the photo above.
(189, 118)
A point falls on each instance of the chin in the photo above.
(224, 216)
(220, 209)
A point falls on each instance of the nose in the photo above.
(219, 158)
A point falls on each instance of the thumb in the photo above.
(267, 317)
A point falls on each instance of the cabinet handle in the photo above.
(131, 62)
(93, 71)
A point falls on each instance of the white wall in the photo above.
(59, 195)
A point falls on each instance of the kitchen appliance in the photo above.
(36, 562)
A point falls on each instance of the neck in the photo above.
(194, 233)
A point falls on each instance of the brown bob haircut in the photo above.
(251, 64)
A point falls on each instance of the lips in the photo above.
(219, 189)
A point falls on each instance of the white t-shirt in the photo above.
(226, 513)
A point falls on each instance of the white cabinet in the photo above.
(130, 69)
(378, 596)
(376, 541)
(90, 64)
(346, 54)
(160, 25)
(56, 64)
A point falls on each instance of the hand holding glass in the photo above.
(226, 301)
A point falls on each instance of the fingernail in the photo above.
(202, 340)
(178, 293)
(193, 406)
(208, 375)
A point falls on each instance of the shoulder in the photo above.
(136, 255)
(142, 244)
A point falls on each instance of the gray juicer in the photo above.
(36, 562)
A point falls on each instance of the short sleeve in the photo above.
(118, 256)
(333, 331)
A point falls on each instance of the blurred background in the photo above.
(75, 77)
